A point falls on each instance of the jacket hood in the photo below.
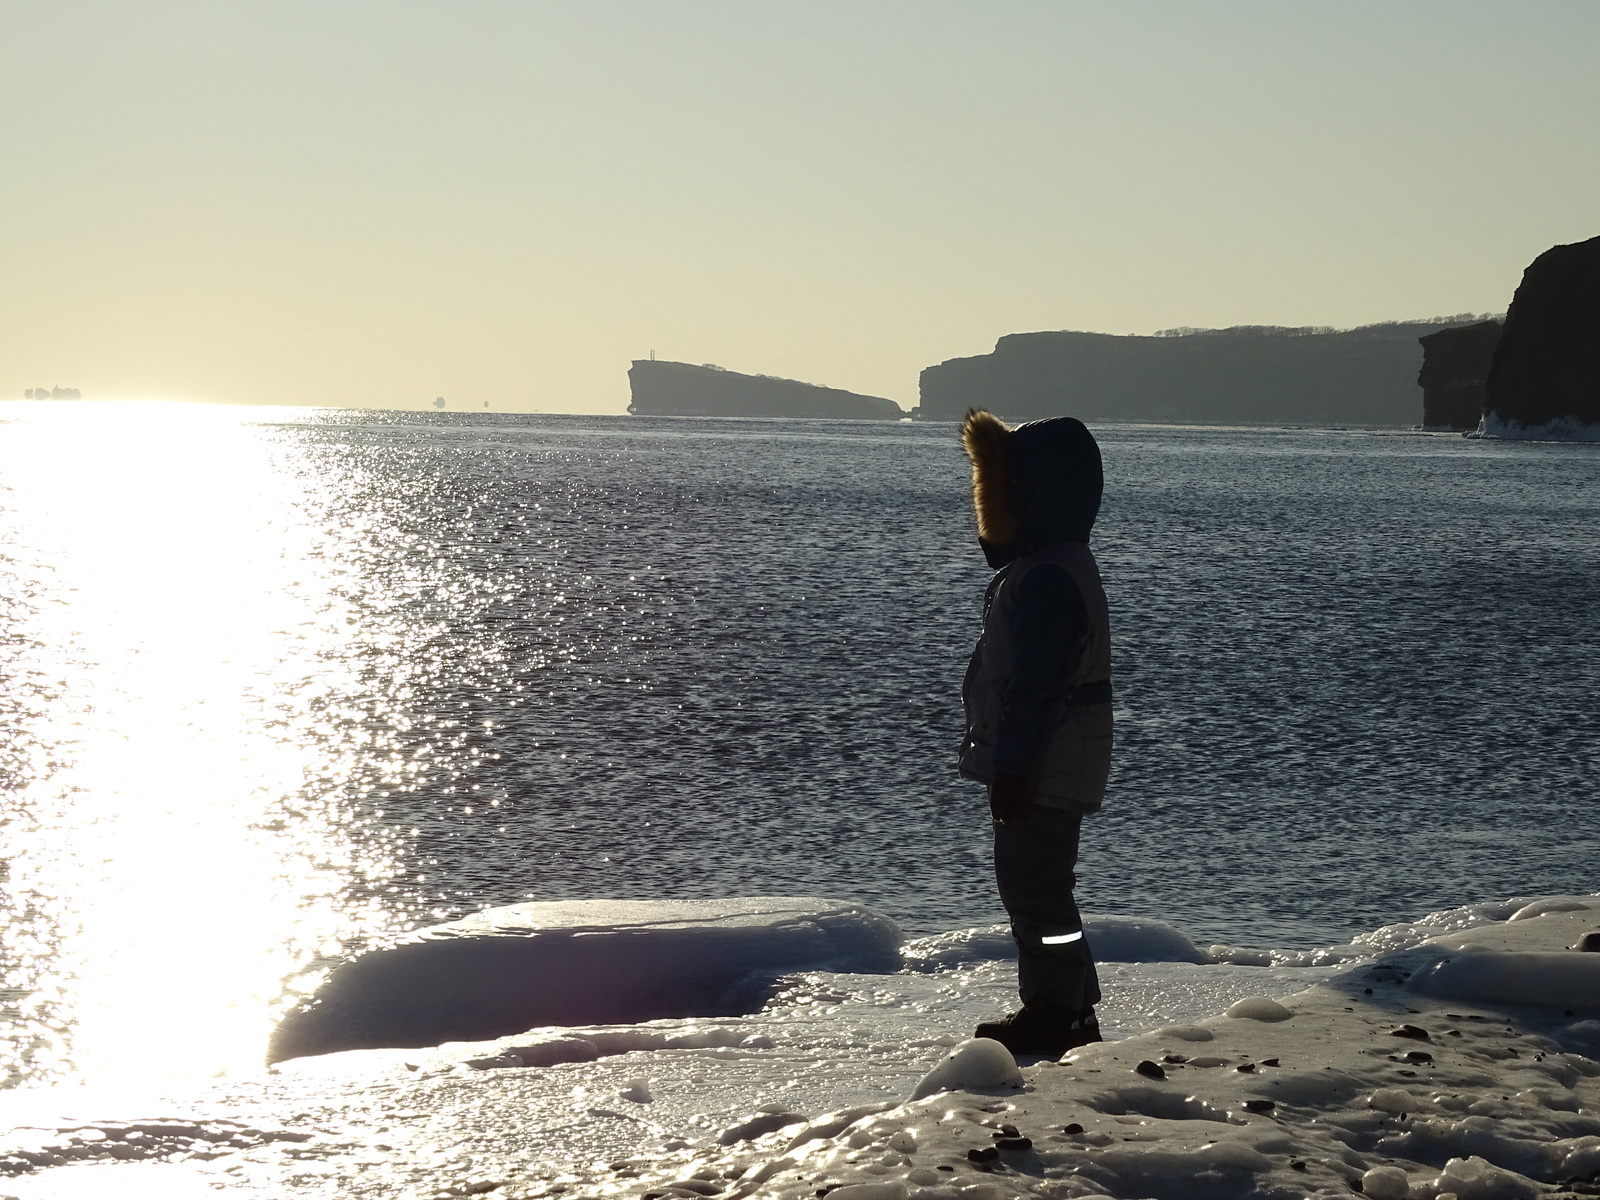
(1032, 486)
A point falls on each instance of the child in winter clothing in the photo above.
(1038, 702)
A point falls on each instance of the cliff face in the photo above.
(1455, 374)
(1547, 365)
(674, 389)
(1249, 374)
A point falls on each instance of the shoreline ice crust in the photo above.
(1362, 1078)
(579, 962)
(1372, 1082)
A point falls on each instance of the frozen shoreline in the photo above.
(639, 1108)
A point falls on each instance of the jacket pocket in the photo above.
(1076, 762)
(984, 701)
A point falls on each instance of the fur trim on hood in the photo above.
(1032, 486)
(984, 436)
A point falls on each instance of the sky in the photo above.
(503, 203)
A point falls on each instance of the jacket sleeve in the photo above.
(1051, 632)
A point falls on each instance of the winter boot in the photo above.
(1042, 1029)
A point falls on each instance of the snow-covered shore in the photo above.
(1422, 1060)
(1367, 1082)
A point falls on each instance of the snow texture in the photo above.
(1364, 1083)
(1371, 1084)
(580, 962)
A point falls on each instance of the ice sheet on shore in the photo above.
(1111, 939)
(580, 962)
(610, 961)
(1364, 1083)
(810, 1093)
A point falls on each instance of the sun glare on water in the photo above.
(177, 840)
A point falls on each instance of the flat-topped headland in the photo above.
(675, 389)
(1455, 374)
(1545, 379)
(1248, 374)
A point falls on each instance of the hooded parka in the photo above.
(1037, 692)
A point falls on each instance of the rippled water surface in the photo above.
(277, 683)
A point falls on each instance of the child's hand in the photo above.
(1008, 799)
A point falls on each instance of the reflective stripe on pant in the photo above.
(1033, 864)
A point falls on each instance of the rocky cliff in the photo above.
(1247, 374)
(1547, 366)
(1455, 374)
(674, 389)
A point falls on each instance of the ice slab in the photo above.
(1568, 980)
(1111, 939)
(1368, 1086)
(580, 962)
(1527, 961)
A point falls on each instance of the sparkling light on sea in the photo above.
(275, 684)
(178, 839)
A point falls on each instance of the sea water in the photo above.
(280, 683)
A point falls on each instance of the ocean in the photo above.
(281, 683)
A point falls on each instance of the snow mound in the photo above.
(581, 962)
(1548, 980)
(1550, 905)
(1140, 940)
(1111, 939)
(1258, 1008)
(1474, 1178)
(1404, 935)
(981, 1064)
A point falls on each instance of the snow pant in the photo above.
(1033, 864)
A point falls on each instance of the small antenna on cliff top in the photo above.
(652, 356)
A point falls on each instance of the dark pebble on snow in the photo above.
(982, 1154)
(1260, 1105)
(1269, 1062)
(1073, 1128)
(1411, 1031)
(1150, 1070)
(1014, 1143)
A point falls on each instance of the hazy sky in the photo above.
(378, 203)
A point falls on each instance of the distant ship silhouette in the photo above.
(55, 393)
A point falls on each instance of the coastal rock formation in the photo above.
(1546, 370)
(1455, 374)
(675, 389)
(1246, 374)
